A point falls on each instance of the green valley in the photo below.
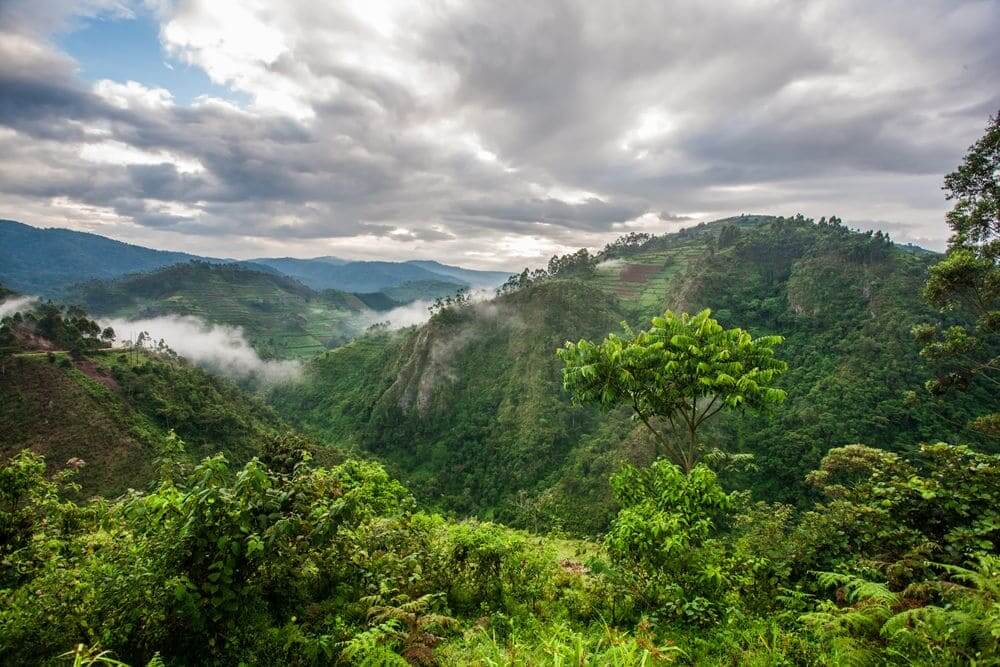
(762, 440)
(469, 409)
(281, 317)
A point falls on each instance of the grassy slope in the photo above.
(470, 412)
(113, 413)
(280, 317)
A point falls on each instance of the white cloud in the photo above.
(500, 133)
(116, 152)
(220, 348)
(133, 95)
(16, 304)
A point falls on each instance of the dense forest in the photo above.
(758, 441)
(469, 408)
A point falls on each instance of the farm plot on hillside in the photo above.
(645, 279)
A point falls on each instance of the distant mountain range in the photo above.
(44, 261)
(47, 261)
(375, 276)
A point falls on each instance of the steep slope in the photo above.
(467, 407)
(44, 261)
(281, 317)
(113, 411)
(470, 411)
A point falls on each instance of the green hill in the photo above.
(469, 409)
(472, 277)
(281, 317)
(113, 411)
(46, 261)
(368, 276)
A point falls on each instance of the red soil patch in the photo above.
(29, 341)
(88, 368)
(574, 567)
(639, 273)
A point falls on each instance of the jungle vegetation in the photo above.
(789, 456)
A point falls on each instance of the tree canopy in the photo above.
(965, 286)
(684, 369)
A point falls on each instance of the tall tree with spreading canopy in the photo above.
(684, 370)
(965, 286)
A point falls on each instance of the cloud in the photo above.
(16, 304)
(480, 133)
(219, 348)
(418, 312)
(414, 313)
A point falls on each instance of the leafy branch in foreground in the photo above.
(684, 369)
(965, 285)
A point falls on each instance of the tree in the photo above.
(728, 236)
(965, 286)
(975, 187)
(665, 544)
(684, 369)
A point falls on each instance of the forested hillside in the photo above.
(45, 261)
(69, 397)
(469, 408)
(281, 317)
(808, 477)
(369, 276)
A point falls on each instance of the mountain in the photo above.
(469, 410)
(420, 290)
(45, 261)
(113, 411)
(281, 317)
(376, 276)
(354, 276)
(469, 276)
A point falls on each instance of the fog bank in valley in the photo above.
(217, 347)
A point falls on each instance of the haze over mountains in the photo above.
(47, 261)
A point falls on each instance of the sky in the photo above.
(481, 133)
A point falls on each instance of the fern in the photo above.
(373, 646)
(858, 589)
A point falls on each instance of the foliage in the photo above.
(965, 286)
(664, 541)
(684, 369)
(258, 565)
(950, 621)
(51, 326)
(941, 504)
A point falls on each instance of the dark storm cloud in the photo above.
(592, 214)
(566, 121)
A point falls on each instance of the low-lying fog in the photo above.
(218, 347)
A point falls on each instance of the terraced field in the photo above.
(645, 279)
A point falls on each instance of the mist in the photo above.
(412, 314)
(217, 347)
(418, 312)
(610, 264)
(15, 304)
